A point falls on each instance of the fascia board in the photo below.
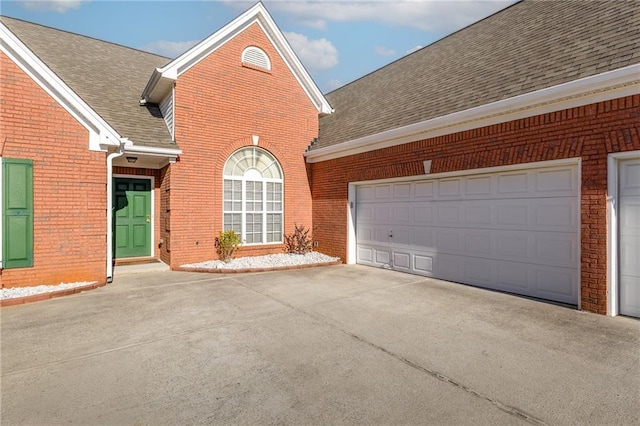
(138, 149)
(101, 134)
(610, 85)
(256, 14)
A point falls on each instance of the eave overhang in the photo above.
(610, 85)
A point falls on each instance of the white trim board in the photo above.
(606, 86)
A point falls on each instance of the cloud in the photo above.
(418, 47)
(333, 84)
(170, 49)
(384, 51)
(428, 15)
(315, 54)
(58, 6)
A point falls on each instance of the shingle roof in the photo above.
(528, 46)
(108, 77)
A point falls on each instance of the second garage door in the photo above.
(514, 231)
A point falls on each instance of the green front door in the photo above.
(132, 216)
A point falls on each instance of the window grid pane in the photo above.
(253, 228)
(274, 227)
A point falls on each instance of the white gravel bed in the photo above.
(268, 261)
(12, 293)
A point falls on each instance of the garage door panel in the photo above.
(449, 188)
(381, 213)
(401, 235)
(447, 267)
(423, 190)
(629, 237)
(629, 259)
(512, 214)
(630, 217)
(423, 264)
(479, 186)
(510, 231)
(365, 193)
(478, 271)
(630, 178)
(556, 284)
(365, 233)
(365, 254)
(556, 249)
(382, 192)
(450, 214)
(382, 256)
(477, 243)
(556, 214)
(478, 215)
(513, 184)
(513, 246)
(423, 213)
(423, 237)
(514, 277)
(447, 240)
(365, 213)
(402, 260)
(401, 213)
(629, 296)
(402, 191)
(560, 182)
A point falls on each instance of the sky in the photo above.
(338, 41)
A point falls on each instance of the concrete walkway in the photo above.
(329, 345)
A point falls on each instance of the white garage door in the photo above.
(514, 231)
(629, 239)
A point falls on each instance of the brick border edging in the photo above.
(50, 295)
(246, 270)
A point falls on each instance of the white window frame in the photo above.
(264, 212)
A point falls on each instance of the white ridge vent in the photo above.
(256, 57)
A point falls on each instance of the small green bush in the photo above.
(299, 242)
(227, 245)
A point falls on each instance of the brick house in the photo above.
(506, 155)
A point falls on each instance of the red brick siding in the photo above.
(590, 132)
(133, 172)
(69, 184)
(219, 105)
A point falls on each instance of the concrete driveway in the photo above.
(330, 345)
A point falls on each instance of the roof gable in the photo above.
(107, 78)
(101, 134)
(162, 78)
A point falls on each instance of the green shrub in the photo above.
(227, 245)
(299, 242)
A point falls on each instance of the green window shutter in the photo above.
(17, 205)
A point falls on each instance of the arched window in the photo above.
(253, 196)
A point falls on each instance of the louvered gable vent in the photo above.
(256, 57)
